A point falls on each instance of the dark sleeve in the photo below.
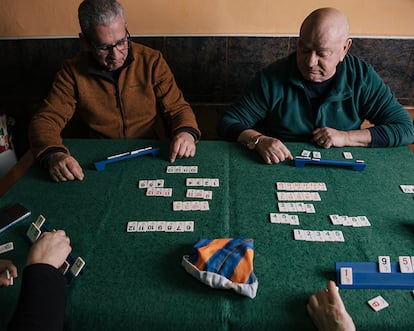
(189, 130)
(379, 137)
(41, 305)
(234, 130)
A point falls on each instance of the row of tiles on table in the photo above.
(207, 69)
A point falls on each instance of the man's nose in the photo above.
(312, 59)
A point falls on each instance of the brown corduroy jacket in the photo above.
(145, 102)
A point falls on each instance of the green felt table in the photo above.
(135, 280)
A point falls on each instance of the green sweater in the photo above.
(277, 100)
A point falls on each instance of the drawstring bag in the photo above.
(225, 263)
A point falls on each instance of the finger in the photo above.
(4, 282)
(333, 295)
(61, 233)
(282, 154)
(75, 171)
(274, 158)
(67, 174)
(328, 144)
(316, 131)
(57, 176)
(180, 152)
(6, 278)
(191, 150)
(13, 270)
(313, 302)
(287, 154)
(174, 152)
(184, 151)
(266, 159)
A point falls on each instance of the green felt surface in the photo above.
(135, 280)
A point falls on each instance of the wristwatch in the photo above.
(253, 141)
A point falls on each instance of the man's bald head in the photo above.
(323, 43)
(329, 21)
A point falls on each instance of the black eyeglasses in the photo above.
(121, 45)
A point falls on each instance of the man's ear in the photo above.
(348, 44)
(346, 48)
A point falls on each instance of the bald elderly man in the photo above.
(320, 93)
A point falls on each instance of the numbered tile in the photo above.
(282, 207)
(189, 226)
(214, 182)
(206, 182)
(363, 221)
(293, 219)
(407, 188)
(310, 209)
(179, 227)
(378, 303)
(177, 205)
(204, 206)
(338, 235)
(142, 227)
(300, 207)
(346, 276)
(187, 205)
(160, 226)
(64, 267)
(384, 264)
(347, 155)
(347, 221)
(143, 184)
(193, 169)
(195, 205)
(159, 183)
(317, 236)
(355, 222)
(40, 221)
(328, 236)
(335, 220)
(77, 266)
(305, 153)
(151, 226)
(299, 234)
(273, 218)
(169, 227)
(132, 226)
(208, 195)
(7, 247)
(316, 154)
(33, 233)
(405, 264)
(309, 235)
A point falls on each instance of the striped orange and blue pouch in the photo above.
(224, 263)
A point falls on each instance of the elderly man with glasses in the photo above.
(117, 88)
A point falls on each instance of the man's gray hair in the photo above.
(92, 13)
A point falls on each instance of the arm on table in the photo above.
(41, 304)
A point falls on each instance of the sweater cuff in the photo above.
(379, 137)
(189, 130)
(44, 157)
(233, 131)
